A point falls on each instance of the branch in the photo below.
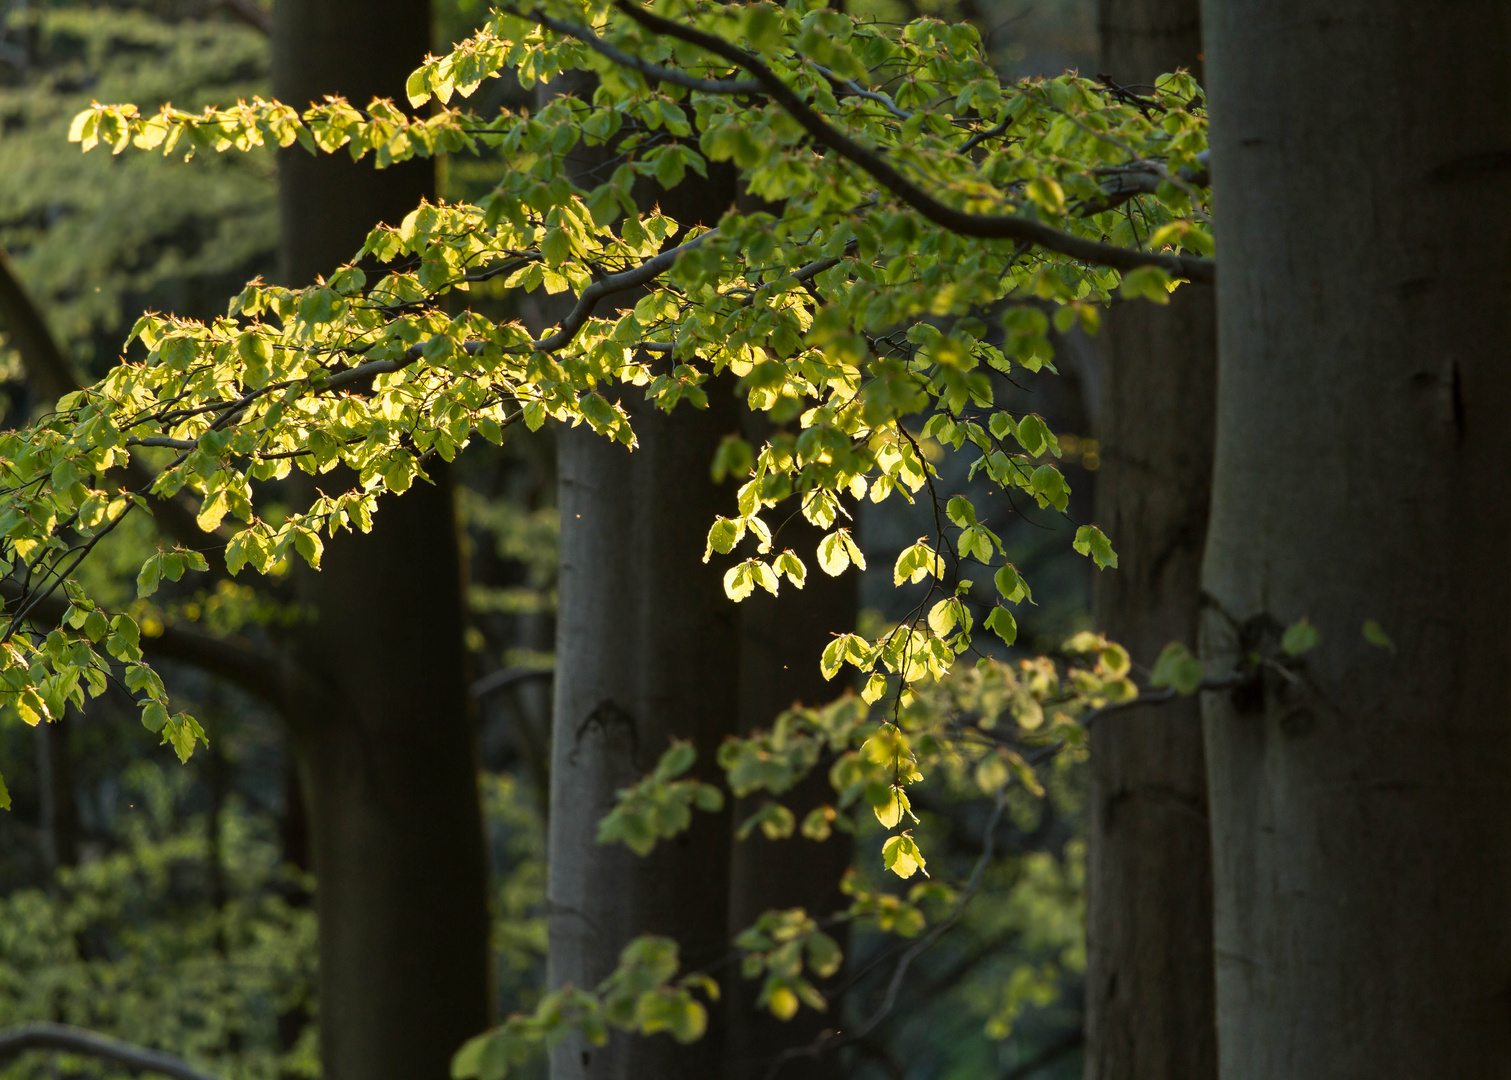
(626, 279)
(1160, 697)
(833, 1040)
(653, 72)
(507, 677)
(1048, 1056)
(73, 1040)
(982, 226)
(268, 677)
(249, 12)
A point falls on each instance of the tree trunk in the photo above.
(388, 757)
(781, 639)
(55, 785)
(646, 652)
(1149, 997)
(1360, 814)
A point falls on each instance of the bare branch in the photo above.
(1161, 697)
(73, 1040)
(833, 1040)
(983, 226)
(249, 12)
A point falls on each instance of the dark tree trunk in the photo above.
(1362, 832)
(1149, 996)
(388, 757)
(781, 639)
(55, 784)
(646, 652)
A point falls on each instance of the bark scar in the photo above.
(608, 715)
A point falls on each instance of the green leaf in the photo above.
(739, 581)
(1002, 623)
(1299, 637)
(151, 573)
(834, 656)
(942, 616)
(833, 554)
(1011, 586)
(1090, 540)
(1375, 634)
(1177, 669)
(961, 512)
(891, 810)
(901, 856)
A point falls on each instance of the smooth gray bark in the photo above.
(387, 754)
(1149, 979)
(646, 652)
(1362, 816)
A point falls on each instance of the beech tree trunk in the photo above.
(1362, 812)
(646, 652)
(1149, 993)
(781, 640)
(388, 757)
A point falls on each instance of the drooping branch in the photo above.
(51, 376)
(266, 676)
(72, 1040)
(981, 226)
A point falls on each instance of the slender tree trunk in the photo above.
(55, 783)
(781, 639)
(1362, 813)
(1149, 996)
(388, 758)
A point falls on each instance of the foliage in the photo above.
(379, 380)
(131, 944)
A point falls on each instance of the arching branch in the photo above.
(73, 1040)
(982, 226)
(51, 376)
(269, 677)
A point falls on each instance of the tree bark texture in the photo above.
(646, 652)
(1360, 816)
(1149, 995)
(388, 755)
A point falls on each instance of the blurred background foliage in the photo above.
(176, 912)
